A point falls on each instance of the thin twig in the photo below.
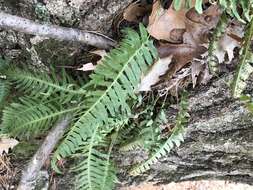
(30, 173)
(11, 22)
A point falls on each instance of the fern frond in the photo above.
(31, 117)
(244, 68)
(4, 90)
(212, 59)
(3, 65)
(95, 172)
(114, 81)
(176, 138)
(42, 84)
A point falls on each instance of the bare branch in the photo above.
(30, 173)
(11, 22)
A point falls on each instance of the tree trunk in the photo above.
(218, 142)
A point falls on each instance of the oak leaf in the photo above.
(162, 22)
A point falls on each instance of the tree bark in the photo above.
(218, 142)
(20, 24)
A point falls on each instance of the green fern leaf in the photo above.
(4, 84)
(42, 84)
(244, 68)
(114, 81)
(147, 136)
(95, 172)
(214, 44)
(3, 65)
(4, 90)
(133, 145)
(176, 138)
(246, 8)
(177, 4)
(232, 7)
(198, 6)
(248, 101)
(31, 117)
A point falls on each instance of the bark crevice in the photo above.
(218, 142)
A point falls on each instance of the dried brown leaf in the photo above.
(158, 69)
(6, 144)
(135, 11)
(99, 52)
(198, 26)
(230, 40)
(182, 54)
(206, 76)
(91, 66)
(179, 80)
(196, 68)
(87, 67)
(162, 22)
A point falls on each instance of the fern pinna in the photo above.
(43, 84)
(229, 6)
(176, 138)
(246, 59)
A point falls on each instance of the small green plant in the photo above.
(165, 146)
(101, 109)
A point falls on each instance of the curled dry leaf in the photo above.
(135, 11)
(153, 76)
(230, 40)
(226, 46)
(180, 79)
(206, 76)
(196, 68)
(182, 54)
(91, 66)
(87, 67)
(198, 26)
(101, 53)
(162, 22)
(6, 144)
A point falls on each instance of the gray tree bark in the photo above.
(218, 142)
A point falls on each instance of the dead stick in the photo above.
(30, 173)
(27, 26)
